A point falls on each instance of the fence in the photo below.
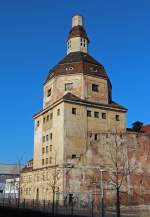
(87, 204)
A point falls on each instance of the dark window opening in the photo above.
(49, 92)
(38, 123)
(89, 113)
(96, 114)
(73, 156)
(95, 87)
(95, 137)
(47, 137)
(117, 118)
(74, 111)
(44, 120)
(51, 136)
(103, 115)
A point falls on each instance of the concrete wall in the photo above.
(53, 125)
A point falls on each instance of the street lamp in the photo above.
(102, 189)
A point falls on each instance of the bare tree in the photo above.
(118, 166)
(53, 181)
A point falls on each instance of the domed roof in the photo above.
(78, 31)
(78, 62)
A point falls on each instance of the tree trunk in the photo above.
(53, 204)
(117, 202)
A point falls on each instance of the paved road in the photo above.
(9, 212)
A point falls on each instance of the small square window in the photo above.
(103, 115)
(68, 86)
(58, 112)
(117, 118)
(95, 136)
(74, 111)
(95, 87)
(89, 113)
(96, 114)
(73, 156)
(49, 92)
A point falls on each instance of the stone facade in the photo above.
(70, 132)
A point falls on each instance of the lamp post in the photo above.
(102, 191)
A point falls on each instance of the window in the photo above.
(51, 136)
(43, 138)
(46, 160)
(44, 120)
(95, 137)
(43, 150)
(89, 113)
(47, 118)
(96, 114)
(50, 147)
(38, 123)
(73, 156)
(74, 111)
(47, 137)
(58, 112)
(50, 160)
(95, 87)
(49, 92)
(46, 149)
(117, 118)
(103, 115)
(51, 116)
(68, 86)
(71, 68)
(42, 161)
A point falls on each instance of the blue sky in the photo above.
(33, 37)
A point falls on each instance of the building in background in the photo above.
(11, 188)
(8, 171)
